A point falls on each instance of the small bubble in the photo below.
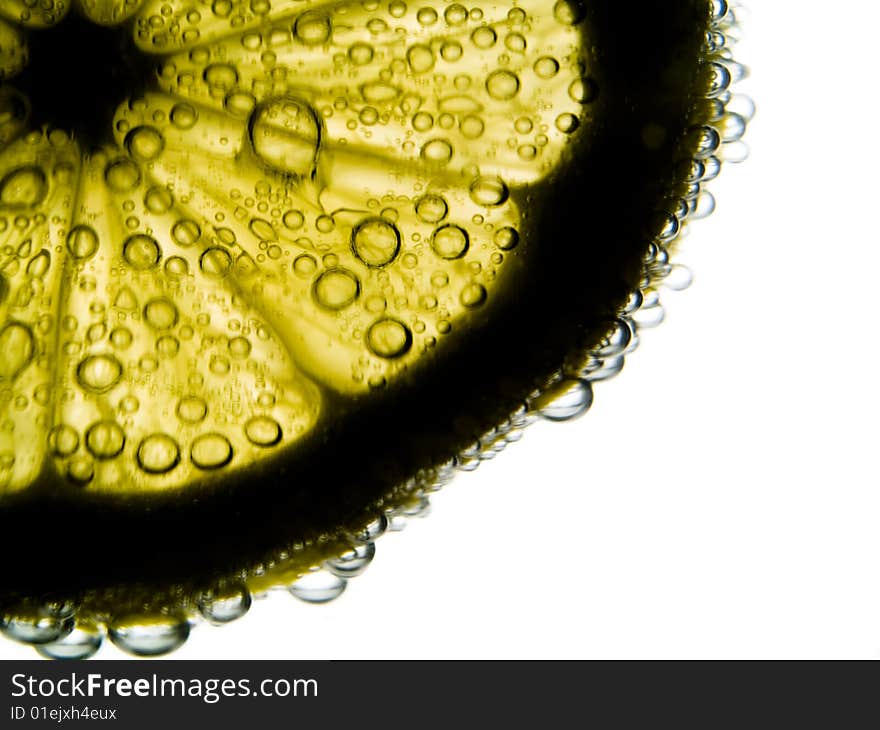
(431, 208)
(144, 143)
(567, 123)
(82, 242)
(192, 409)
(158, 453)
(263, 431)
(583, 90)
(141, 252)
(147, 636)
(176, 267)
(80, 470)
(121, 338)
(376, 242)
(336, 289)
(488, 191)
(546, 67)
(211, 451)
(473, 295)
(186, 232)
(312, 28)
(158, 200)
(437, 150)
(184, 116)
(160, 313)
(319, 586)
(63, 440)
(23, 187)
(105, 439)
(484, 37)
(215, 262)
(389, 338)
(122, 175)
(225, 604)
(502, 84)
(506, 238)
(450, 242)
(99, 373)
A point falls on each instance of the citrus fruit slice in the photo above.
(267, 268)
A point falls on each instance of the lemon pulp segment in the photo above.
(283, 258)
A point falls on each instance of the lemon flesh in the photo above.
(285, 257)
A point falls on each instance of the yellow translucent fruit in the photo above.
(303, 205)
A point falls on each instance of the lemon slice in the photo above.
(266, 266)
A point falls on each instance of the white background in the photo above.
(721, 498)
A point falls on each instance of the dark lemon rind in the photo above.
(272, 523)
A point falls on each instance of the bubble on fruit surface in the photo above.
(215, 262)
(99, 373)
(81, 643)
(376, 242)
(161, 313)
(158, 453)
(352, 562)
(184, 115)
(506, 238)
(144, 143)
(262, 431)
(192, 409)
(63, 440)
(285, 134)
(565, 400)
(319, 586)
(211, 451)
(336, 289)
(488, 191)
(389, 338)
(450, 242)
(42, 628)
(431, 208)
(149, 636)
(141, 252)
(23, 187)
(225, 604)
(17, 348)
(438, 151)
(313, 28)
(186, 232)
(502, 84)
(82, 241)
(122, 175)
(105, 439)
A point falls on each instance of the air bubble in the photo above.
(24, 187)
(122, 175)
(565, 400)
(81, 643)
(144, 143)
(389, 338)
(336, 289)
(215, 262)
(353, 562)
(437, 150)
(263, 431)
(141, 252)
(160, 313)
(16, 349)
(450, 242)
(192, 409)
(99, 373)
(376, 242)
(431, 208)
(506, 238)
(225, 604)
(502, 84)
(82, 242)
(312, 28)
(319, 586)
(186, 232)
(285, 134)
(211, 451)
(63, 440)
(158, 453)
(105, 439)
(148, 636)
(488, 191)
